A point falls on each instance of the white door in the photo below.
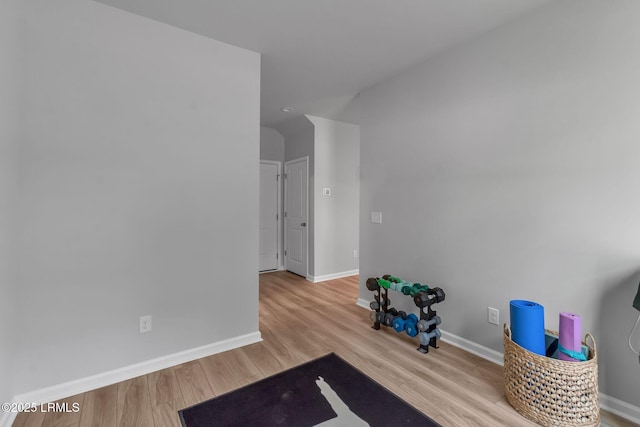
(269, 215)
(296, 200)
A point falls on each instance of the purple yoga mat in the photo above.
(570, 333)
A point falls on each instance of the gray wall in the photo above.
(298, 135)
(337, 162)
(10, 45)
(271, 145)
(131, 203)
(508, 168)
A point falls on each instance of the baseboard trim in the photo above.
(316, 279)
(608, 403)
(83, 385)
(281, 268)
(473, 348)
(363, 303)
(620, 408)
(8, 418)
(463, 343)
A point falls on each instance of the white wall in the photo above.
(271, 145)
(131, 202)
(337, 164)
(508, 168)
(10, 43)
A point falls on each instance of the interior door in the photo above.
(269, 218)
(296, 215)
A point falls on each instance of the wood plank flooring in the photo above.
(300, 321)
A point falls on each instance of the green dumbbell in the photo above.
(384, 283)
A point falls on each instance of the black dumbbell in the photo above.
(432, 296)
(372, 284)
(375, 305)
(389, 316)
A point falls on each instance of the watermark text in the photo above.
(65, 407)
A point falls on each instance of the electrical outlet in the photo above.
(493, 316)
(355, 253)
(376, 217)
(145, 324)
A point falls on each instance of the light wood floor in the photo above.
(300, 321)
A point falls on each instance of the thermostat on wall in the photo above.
(326, 191)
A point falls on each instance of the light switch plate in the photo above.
(376, 217)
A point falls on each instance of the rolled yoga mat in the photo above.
(527, 325)
(569, 343)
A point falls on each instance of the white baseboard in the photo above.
(83, 385)
(316, 279)
(364, 303)
(281, 268)
(620, 408)
(473, 348)
(7, 418)
(608, 403)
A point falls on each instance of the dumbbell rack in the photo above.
(381, 309)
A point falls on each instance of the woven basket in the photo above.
(549, 391)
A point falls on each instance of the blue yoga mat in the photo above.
(527, 325)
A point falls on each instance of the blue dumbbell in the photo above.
(410, 326)
(401, 323)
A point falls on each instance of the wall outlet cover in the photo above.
(493, 316)
(376, 217)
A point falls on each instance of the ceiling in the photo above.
(318, 55)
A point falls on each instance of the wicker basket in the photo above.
(549, 391)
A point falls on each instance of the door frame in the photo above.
(306, 261)
(280, 241)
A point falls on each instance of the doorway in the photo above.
(296, 215)
(269, 238)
